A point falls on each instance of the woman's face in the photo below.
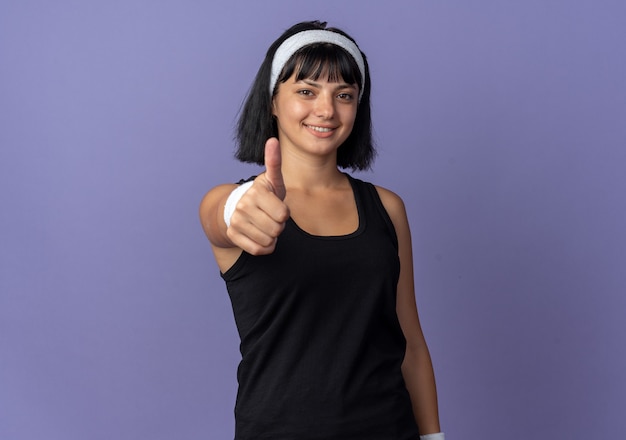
(315, 116)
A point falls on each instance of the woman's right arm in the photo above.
(212, 215)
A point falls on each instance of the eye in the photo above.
(345, 96)
(305, 92)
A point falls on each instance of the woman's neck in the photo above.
(312, 174)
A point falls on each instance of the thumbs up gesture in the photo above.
(273, 174)
(261, 214)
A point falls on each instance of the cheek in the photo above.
(349, 116)
(290, 110)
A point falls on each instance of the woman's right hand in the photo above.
(260, 215)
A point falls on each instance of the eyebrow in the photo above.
(339, 85)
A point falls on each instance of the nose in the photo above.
(325, 106)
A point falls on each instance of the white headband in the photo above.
(296, 42)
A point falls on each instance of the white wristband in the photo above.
(233, 199)
(437, 436)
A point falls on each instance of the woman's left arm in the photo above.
(417, 368)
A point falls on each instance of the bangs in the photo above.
(313, 61)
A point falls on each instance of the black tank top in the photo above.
(321, 344)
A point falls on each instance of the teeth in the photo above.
(320, 129)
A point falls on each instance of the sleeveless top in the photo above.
(321, 344)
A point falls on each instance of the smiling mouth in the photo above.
(320, 129)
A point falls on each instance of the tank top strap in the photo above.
(372, 206)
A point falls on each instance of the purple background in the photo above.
(501, 123)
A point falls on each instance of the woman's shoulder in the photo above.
(389, 198)
(388, 195)
(393, 203)
(214, 196)
(217, 193)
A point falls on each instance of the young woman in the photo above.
(318, 264)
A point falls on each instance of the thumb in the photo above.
(273, 173)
